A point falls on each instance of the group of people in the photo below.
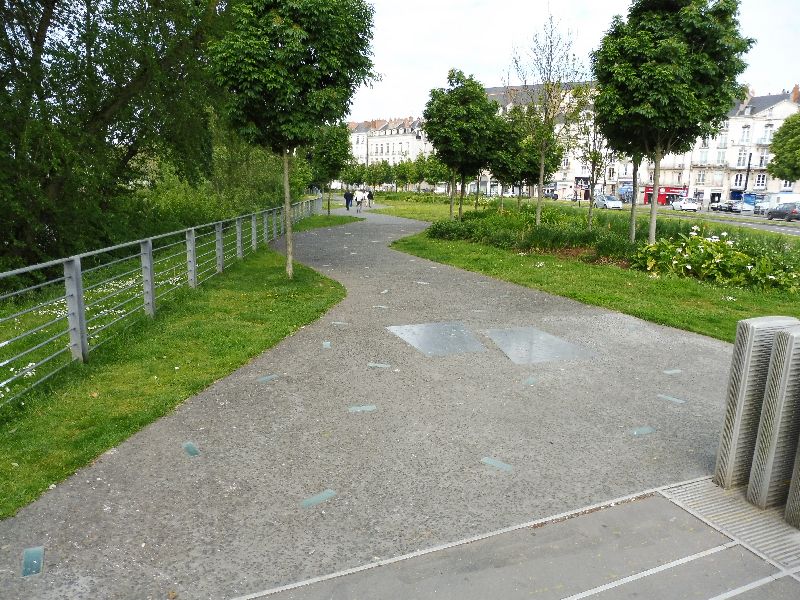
(360, 196)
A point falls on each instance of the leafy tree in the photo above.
(403, 173)
(91, 91)
(290, 67)
(667, 76)
(548, 70)
(354, 173)
(329, 155)
(785, 148)
(593, 150)
(418, 173)
(463, 126)
(436, 171)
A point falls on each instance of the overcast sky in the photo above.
(417, 41)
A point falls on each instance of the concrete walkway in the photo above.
(345, 446)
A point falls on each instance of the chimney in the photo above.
(796, 94)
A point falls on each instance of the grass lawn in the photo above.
(421, 211)
(677, 302)
(200, 337)
(319, 221)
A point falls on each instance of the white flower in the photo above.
(692, 233)
(724, 234)
(688, 267)
(749, 267)
(770, 276)
(695, 228)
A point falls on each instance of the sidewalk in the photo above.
(345, 445)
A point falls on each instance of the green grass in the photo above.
(147, 371)
(677, 302)
(318, 221)
(419, 210)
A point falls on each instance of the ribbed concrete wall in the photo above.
(776, 443)
(748, 376)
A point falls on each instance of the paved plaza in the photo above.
(438, 434)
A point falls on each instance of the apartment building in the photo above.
(393, 140)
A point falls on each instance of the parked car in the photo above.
(788, 211)
(607, 201)
(742, 207)
(684, 204)
(551, 195)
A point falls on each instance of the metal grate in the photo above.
(776, 444)
(764, 531)
(749, 365)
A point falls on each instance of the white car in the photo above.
(684, 204)
(606, 201)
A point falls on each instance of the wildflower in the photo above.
(724, 234)
(692, 233)
(688, 267)
(749, 267)
(695, 228)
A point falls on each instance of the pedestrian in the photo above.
(360, 195)
(348, 199)
(370, 197)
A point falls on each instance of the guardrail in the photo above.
(80, 302)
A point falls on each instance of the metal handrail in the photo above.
(207, 250)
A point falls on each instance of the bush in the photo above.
(685, 249)
(722, 260)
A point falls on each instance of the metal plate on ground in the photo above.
(527, 346)
(439, 339)
(729, 511)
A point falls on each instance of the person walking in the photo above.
(360, 195)
(370, 197)
(348, 199)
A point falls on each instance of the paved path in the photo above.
(344, 445)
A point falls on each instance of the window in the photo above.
(565, 162)
(746, 134)
(722, 140)
(703, 158)
(725, 126)
(611, 172)
(763, 158)
(738, 180)
(787, 185)
(741, 160)
(767, 134)
(680, 178)
(761, 180)
(626, 169)
(704, 143)
(720, 157)
(701, 177)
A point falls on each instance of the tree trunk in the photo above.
(591, 199)
(632, 230)
(519, 196)
(539, 187)
(287, 214)
(651, 237)
(461, 197)
(329, 199)
(452, 186)
(477, 189)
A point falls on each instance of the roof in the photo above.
(758, 104)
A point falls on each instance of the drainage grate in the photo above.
(776, 444)
(764, 531)
(749, 365)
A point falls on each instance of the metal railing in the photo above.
(81, 302)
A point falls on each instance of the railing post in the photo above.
(76, 311)
(280, 217)
(253, 233)
(274, 212)
(239, 247)
(191, 257)
(265, 218)
(148, 282)
(220, 248)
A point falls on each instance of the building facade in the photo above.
(394, 140)
(718, 169)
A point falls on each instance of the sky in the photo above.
(416, 42)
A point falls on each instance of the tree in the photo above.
(403, 173)
(593, 150)
(291, 67)
(436, 171)
(548, 71)
(785, 148)
(462, 124)
(420, 167)
(667, 76)
(90, 91)
(329, 155)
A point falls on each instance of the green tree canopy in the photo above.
(91, 91)
(667, 76)
(290, 67)
(329, 155)
(785, 147)
(462, 124)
